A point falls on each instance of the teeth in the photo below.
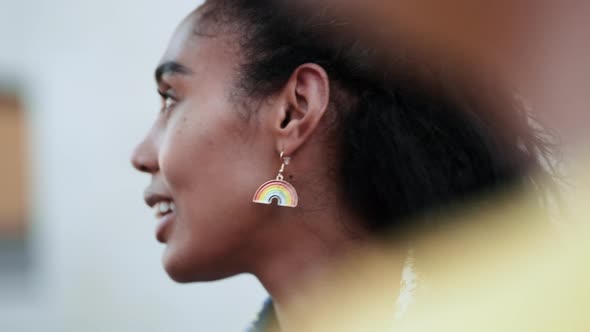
(163, 208)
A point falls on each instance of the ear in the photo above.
(303, 102)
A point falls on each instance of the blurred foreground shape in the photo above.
(13, 193)
(507, 267)
(497, 269)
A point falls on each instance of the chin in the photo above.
(186, 271)
(177, 269)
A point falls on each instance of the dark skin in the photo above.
(206, 158)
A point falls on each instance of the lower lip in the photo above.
(163, 225)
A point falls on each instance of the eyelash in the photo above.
(169, 101)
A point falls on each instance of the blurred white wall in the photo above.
(87, 72)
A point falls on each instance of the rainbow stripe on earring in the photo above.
(281, 191)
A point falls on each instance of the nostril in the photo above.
(144, 157)
(140, 165)
(145, 165)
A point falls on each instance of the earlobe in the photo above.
(305, 100)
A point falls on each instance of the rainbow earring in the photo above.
(278, 189)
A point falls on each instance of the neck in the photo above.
(308, 263)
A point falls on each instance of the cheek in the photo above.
(186, 149)
(209, 169)
(211, 173)
(198, 149)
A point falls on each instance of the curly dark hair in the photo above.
(407, 145)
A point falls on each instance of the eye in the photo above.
(168, 99)
(169, 103)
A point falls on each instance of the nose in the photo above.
(145, 157)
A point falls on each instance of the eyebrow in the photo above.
(171, 67)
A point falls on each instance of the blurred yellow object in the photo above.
(502, 268)
(521, 277)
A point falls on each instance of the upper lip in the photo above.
(152, 198)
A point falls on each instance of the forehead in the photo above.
(196, 44)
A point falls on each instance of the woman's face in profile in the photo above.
(205, 160)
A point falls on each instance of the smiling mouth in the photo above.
(164, 208)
